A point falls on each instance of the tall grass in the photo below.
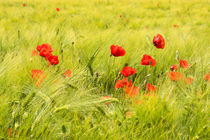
(81, 34)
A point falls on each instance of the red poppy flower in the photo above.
(44, 46)
(128, 71)
(189, 80)
(24, 5)
(206, 77)
(150, 88)
(131, 90)
(175, 76)
(159, 41)
(117, 51)
(44, 52)
(148, 60)
(38, 76)
(57, 9)
(34, 53)
(123, 83)
(53, 59)
(183, 64)
(48, 55)
(67, 73)
(38, 48)
(120, 16)
(174, 67)
(175, 26)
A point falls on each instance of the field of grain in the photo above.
(75, 89)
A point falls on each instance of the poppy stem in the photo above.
(62, 54)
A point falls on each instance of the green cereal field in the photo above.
(104, 69)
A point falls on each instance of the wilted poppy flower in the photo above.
(128, 114)
(34, 53)
(67, 73)
(150, 88)
(206, 77)
(122, 83)
(138, 102)
(24, 5)
(128, 71)
(175, 76)
(150, 95)
(189, 80)
(175, 26)
(117, 51)
(159, 41)
(9, 132)
(131, 90)
(174, 67)
(120, 16)
(105, 98)
(57, 9)
(38, 76)
(53, 59)
(199, 93)
(183, 64)
(16, 132)
(148, 60)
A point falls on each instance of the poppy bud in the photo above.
(126, 64)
